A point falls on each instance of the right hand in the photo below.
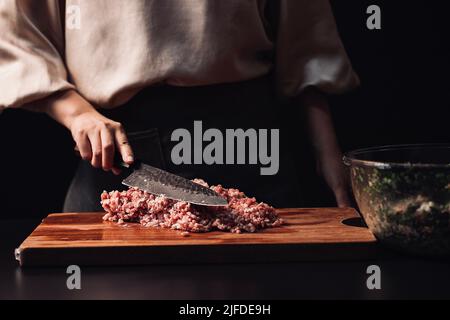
(97, 138)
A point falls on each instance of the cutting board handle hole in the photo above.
(355, 222)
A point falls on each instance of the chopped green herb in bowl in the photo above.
(403, 193)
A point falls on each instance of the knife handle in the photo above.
(117, 162)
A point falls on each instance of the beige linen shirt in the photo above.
(108, 50)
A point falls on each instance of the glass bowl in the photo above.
(403, 193)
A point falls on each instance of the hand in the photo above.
(332, 170)
(97, 137)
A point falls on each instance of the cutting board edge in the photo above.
(25, 246)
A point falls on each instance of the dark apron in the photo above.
(152, 115)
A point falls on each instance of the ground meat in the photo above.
(243, 214)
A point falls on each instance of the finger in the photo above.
(84, 147)
(124, 146)
(96, 145)
(108, 149)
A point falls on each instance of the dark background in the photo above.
(404, 98)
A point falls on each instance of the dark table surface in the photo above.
(401, 278)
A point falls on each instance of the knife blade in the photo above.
(159, 182)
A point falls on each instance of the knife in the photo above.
(159, 182)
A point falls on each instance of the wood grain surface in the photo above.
(308, 235)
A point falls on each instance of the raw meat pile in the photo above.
(242, 214)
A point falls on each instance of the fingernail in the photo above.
(130, 159)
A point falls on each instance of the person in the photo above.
(123, 75)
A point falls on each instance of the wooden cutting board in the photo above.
(308, 235)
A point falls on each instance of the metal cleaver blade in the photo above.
(160, 182)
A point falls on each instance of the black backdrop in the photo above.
(404, 98)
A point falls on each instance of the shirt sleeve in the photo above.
(309, 50)
(31, 46)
